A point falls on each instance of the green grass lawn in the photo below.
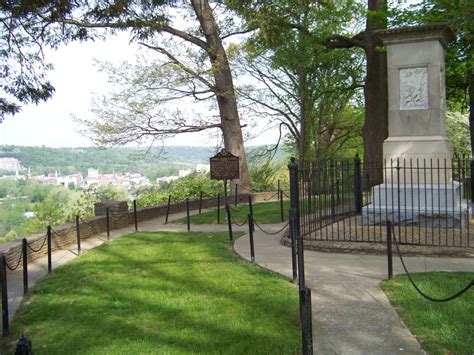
(161, 293)
(441, 328)
(265, 212)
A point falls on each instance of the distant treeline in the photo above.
(153, 164)
(43, 160)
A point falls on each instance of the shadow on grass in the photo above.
(194, 297)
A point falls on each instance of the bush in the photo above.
(189, 186)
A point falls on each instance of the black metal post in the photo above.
(307, 320)
(188, 221)
(108, 223)
(24, 251)
(218, 208)
(331, 188)
(305, 302)
(389, 250)
(251, 211)
(229, 222)
(135, 215)
(50, 262)
(78, 233)
(5, 321)
(168, 209)
(278, 188)
(472, 187)
(357, 185)
(250, 205)
(293, 248)
(251, 229)
(236, 195)
(200, 202)
(282, 215)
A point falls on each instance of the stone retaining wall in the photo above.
(65, 236)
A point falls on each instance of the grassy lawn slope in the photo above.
(265, 212)
(441, 328)
(160, 293)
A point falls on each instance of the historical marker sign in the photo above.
(224, 165)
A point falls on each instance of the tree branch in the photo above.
(186, 69)
(338, 41)
(140, 24)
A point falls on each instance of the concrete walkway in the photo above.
(351, 315)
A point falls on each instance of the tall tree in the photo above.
(375, 129)
(61, 21)
(302, 78)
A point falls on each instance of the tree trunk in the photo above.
(227, 103)
(375, 129)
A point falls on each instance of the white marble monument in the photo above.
(417, 153)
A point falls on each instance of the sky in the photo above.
(76, 79)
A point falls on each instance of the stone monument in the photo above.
(417, 133)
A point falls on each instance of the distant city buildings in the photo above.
(200, 169)
(94, 178)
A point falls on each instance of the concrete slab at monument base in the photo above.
(427, 218)
(428, 205)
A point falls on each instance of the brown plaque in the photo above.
(224, 165)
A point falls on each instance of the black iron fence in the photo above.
(428, 200)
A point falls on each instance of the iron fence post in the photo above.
(305, 307)
(278, 189)
(78, 234)
(135, 215)
(357, 185)
(5, 320)
(24, 251)
(251, 229)
(229, 222)
(251, 211)
(218, 208)
(236, 195)
(332, 188)
(168, 209)
(293, 248)
(188, 222)
(200, 202)
(108, 222)
(50, 262)
(282, 214)
(472, 186)
(389, 250)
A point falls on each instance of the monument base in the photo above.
(425, 159)
(437, 205)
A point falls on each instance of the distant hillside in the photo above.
(43, 160)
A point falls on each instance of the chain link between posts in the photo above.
(424, 295)
(41, 247)
(271, 233)
(17, 265)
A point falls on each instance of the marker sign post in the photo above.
(225, 166)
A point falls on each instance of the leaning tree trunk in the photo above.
(227, 103)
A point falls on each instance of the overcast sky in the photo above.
(76, 78)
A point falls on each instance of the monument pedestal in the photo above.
(430, 205)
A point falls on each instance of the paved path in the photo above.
(351, 315)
